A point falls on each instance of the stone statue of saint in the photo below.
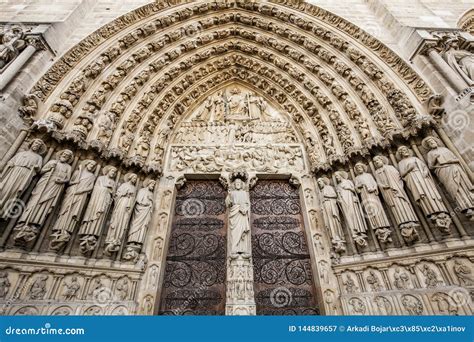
(54, 176)
(418, 179)
(331, 214)
(124, 201)
(351, 207)
(391, 185)
(464, 273)
(17, 176)
(449, 171)
(461, 61)
(4, 284)
(97, 209)
(367, 187)
(141, 218)
(238, 202)
(38, 289)
(81, 184)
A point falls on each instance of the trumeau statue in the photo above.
(331, 214)
(140, 219)
(367, 187)
(351, 208)
(55, 174)
(124, 201)
(81, 184)
(393, 192)
(449, 171)
(17, 176)
(418, 179)
(238, 202)
(97, 209)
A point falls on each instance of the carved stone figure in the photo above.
(445, 304)
(124, 200)
(38, 288)
(401, 279)
(97, 209)
(418, 179)
(122, 288)
(237, 104)
(45, 195)
(4, 284)
(351, 208)
(350, 284)
(373, 281)
(412, 305)
(461, 61)
(449, 171)
(367, 187)
(431, 278)
(11, 43)
(463, 273)
(238, 202)
(331, 214)
(357, 306)
(393, 192)
(71, 289)
(17, 176)
(140, 219)
(81, 184)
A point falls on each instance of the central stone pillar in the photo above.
(240, 297)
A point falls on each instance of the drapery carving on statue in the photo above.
(447, 167)
(367, 187)
(331, 214)
(420, 183)
(80, 186)
(269, 158)
(123, 207)
(140, 220)
(44, 198)
(393, 192)
(351, 208)
(460, 60)
(97, 209)
(17, 176)
(12, 42)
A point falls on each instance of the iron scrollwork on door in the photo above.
(194, 282)
(282, 266)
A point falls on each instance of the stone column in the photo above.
(34, 44)
(451, 76)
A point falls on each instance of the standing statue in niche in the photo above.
(81, 184)
(124, 201)
(17, 176)
(140, 220)
(393, 192)
(97, 209)
(44, 198)
(367, 187)
(461, 61)
(449, 171)
(418, 179)
(11, 43)
(331, 214)
(238, 202)
(351, 208)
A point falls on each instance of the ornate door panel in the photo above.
(282, 266)
(194, 282)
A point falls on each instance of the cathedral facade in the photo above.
(237, 158)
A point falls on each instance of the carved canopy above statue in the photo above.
(123, 90)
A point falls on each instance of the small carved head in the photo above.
(340, 175)
(110, 171)
(89, 164)
(150, 184)
(65, 156)
(403, 152)
(322, 182)
(131, 177)
(360, 168)
(38, 146)
(380, 161)
(430, 143)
